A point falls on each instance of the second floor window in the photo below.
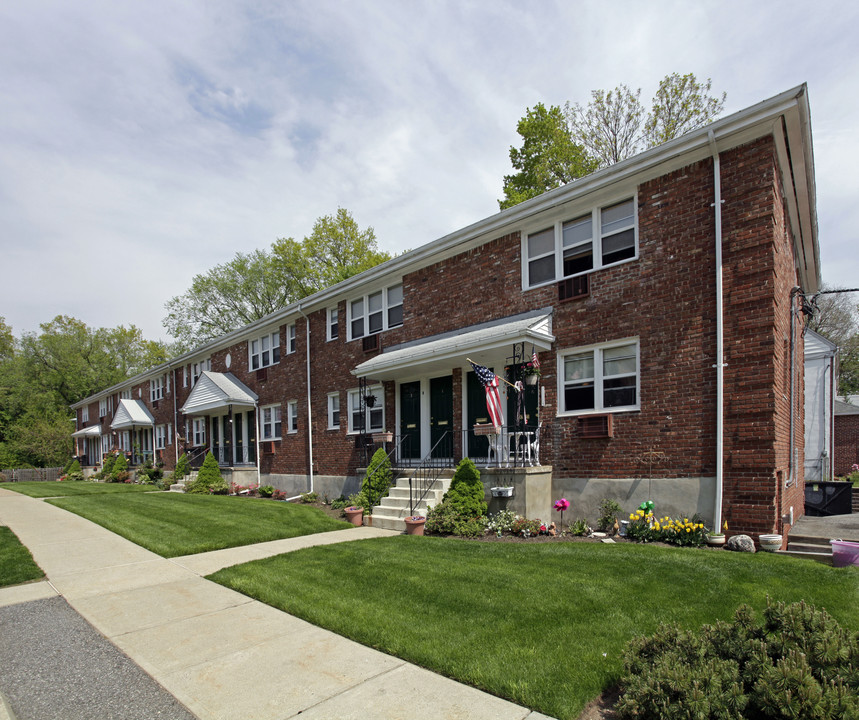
(264, 351)
(376, 312)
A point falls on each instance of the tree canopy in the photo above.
(253, 285)
(836, 317)
(43, 373)
(561, 146)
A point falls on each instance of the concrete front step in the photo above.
(821, 557)
(390, 514)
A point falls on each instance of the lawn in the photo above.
(16, 564)
(173, 524)
(68, 488)
(543, 625)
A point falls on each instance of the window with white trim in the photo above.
(199, 429)
(571, 247)
(334, 411)
(105, 444)
(85, 413)
(264, 351)
(156, 389)
(125, 394)
(373, 413)
(105, 406)
(599, 378)
(184, 376)
(333, 324)
(160, 437)
(270, 422)
(292, 415)
(376, 312)
(125, 441)
(196, 369)
(290, 339)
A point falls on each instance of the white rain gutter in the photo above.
(791, 461)
(720, 339)
(309, 408)
(256, 421)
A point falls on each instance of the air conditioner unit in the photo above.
(262, 374)
(574, 287)
(596, 426)
(371, 343)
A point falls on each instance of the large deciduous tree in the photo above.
(548, 158)
(253, 285)
(561, 146)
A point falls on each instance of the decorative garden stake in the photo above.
(560, 506)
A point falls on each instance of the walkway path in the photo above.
(220, 653)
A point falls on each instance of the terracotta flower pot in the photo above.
(415, 525)
(355, 515)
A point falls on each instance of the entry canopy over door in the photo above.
(131, 413)
(215, 391)
(438, 353)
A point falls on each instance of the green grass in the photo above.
(543, 625)
(16, 564)
(172, 524)
(69, 488)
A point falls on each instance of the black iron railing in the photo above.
(424, 476)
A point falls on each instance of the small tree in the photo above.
(74, 467)
(183, 467)
(120, 469)
(466, 492)
(209, 480)
(378, 479)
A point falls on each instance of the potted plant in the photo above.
(383, 436)
(531, 373)
(355, 515)
(715, 538)
(415, 524)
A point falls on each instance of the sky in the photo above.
(142, 143)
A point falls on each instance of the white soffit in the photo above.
(448, 350)
(93, 431)
(214, 391)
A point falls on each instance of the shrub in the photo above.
(106, 468)
(445, 519)
(580, 527)
(610, 510)
(119, 473)
(183, 468)
(378, 480)
(339, 503)
(310, 497)
(501, 522)
(149, 474)
(74, 467)
(209, 479)
(525, 527)
(797, 662)
(266, 491)
(466, 492)
(75, 476)
(278, 495)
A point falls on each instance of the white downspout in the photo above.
(175, 421)
(309, 408)
(720, 337)
(256, 440)
(791, 460)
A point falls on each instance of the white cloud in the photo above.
(141, 144)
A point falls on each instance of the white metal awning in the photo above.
(131, 413)
(482, 343)
(93, 431)
(215, 391)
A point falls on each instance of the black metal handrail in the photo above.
(421, 480)
(396, 471)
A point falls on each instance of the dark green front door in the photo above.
(410, 420)
(441, 415)
(239, 431)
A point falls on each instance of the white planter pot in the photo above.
(770, 543)
(501, 491)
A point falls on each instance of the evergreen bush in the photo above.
(183, 468)
(466, 493)
(74, 467)
(106, 468)
(209, 480)
(120, 470)
(378, 480)
(796, 662)
(148, 473)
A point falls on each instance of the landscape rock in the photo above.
(740, 543)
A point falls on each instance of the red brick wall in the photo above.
(846, 443)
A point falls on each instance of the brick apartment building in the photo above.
(660, 295)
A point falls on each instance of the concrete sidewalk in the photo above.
(218, 652)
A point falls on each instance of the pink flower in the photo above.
(562, 504)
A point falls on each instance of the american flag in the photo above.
(489, 380)
(535, 361)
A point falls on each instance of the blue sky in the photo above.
(144, 142)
